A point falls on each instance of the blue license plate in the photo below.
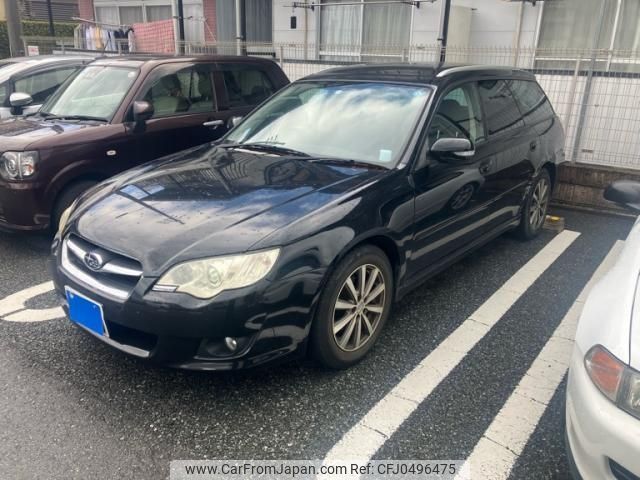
(85, 312)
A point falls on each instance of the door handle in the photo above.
(533, 145)
(485, 168)
(213, 123)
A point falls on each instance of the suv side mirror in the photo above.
(18, 100)
(142, 111)
(453, 147)
(625, 193)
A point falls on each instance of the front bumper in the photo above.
(597, 431)
(270, 320)
(23, 207)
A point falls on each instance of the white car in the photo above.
(27, 82)
(603, 392)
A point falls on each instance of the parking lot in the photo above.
(71, 407)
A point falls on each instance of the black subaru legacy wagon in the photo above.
(298, 230)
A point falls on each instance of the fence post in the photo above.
(282, 56)
(584, 104)
(572, 94)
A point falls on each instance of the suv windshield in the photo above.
(95, 92)
(364, 122)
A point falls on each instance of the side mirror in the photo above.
(453, 147)
(625, 193)
(142, 111)
(233, 121)
(18, 100)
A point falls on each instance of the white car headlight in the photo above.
(630, 398)
(64, 218)
(617, 381)
(208, 277)
(18, 165)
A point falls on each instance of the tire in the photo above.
(65, 199)
(534, 208)
(341, 335)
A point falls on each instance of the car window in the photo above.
(96, 91)
(501, 110)
(246, 86)
(42, 84)
(458, 116)
(532, 101)
(325, 119)
(178, 92)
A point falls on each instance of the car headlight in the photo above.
(18, 165)
(64, 218)
(617, 381)
(208, 277)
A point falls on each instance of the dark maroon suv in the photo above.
(117, 113)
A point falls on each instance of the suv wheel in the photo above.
(534, 209)
(66, 198)
(353, 309)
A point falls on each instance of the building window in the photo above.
(364, 32)
(259, 21)
(131, 15)
(569, 29)
(158, 12)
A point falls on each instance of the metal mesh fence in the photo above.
(595, 93)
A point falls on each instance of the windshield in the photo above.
(365, 122)
(96, 91)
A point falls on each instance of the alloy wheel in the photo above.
(539, 203)
(359, 307)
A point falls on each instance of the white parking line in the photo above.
(364, 439)
(13, 309)
(502, 443)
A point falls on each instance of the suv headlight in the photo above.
(208, 277)
(617, 381)
(18, 165)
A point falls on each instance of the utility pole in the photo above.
(445, 12)
(240, 28)
(52, 30)
(14, 27)
(181, 26)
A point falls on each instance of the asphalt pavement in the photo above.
(71, 407)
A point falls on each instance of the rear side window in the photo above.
(3, 94)
(246, 86)
(42, 84)
(532, 101)
(501, 111)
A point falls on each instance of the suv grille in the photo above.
(110, 273)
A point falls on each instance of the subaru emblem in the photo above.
(94, 261)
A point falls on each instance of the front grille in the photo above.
(112, 274)
(620, 472)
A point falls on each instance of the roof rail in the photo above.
(472, 68)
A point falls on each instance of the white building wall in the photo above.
(494, 23)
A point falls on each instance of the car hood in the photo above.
(20, 133)
(611, 315)
(208, 202)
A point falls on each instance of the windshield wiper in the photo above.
(266, 147)
(349, 162)
(52, 116)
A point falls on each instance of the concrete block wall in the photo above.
(582, 186)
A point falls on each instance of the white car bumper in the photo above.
(597, 430)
